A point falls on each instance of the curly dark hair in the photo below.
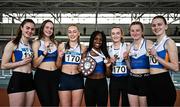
(104, 43)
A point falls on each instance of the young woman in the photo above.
(71, 81)
(139, 62)
(119, 79)
(18, 56)
(45, 56)
(96, 88)
(164, 57)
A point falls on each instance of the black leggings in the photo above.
(96, 92)
(46, 84)
(118, 87)
(162, 91)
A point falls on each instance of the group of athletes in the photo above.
(139, 71)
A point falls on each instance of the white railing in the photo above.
(6, 74)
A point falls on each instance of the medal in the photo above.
(119, 54)
(116, 57)
(105, 61)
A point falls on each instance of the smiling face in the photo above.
(48, 29)
(136, 32)
(159, 27)
(116, 35)
(73, 33)
(28, 29)
(97, 43)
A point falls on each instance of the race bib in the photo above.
(153, 60)
(72, 58)
(119, 69)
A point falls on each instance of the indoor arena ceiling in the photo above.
(89, 6)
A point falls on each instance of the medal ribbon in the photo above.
(98, 53)
(120, 50)
(101, 55)
(156, 45)
(137, 51)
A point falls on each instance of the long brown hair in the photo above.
(19, 31)
(41, 33)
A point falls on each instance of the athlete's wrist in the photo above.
(156, 56)
(60, 57)
(44, 54)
